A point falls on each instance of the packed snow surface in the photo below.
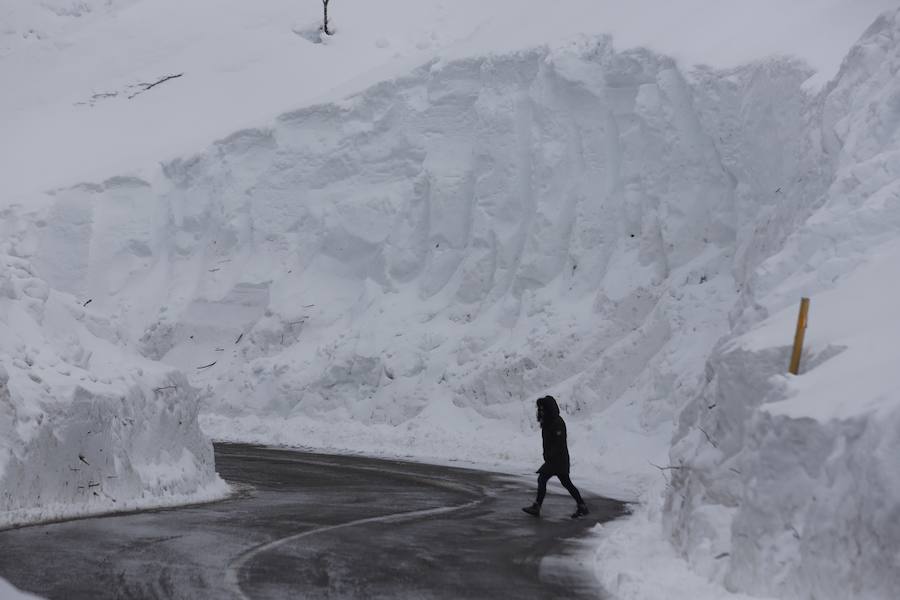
(8, 592)
(408, 231)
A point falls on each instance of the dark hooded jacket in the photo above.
(553, 431)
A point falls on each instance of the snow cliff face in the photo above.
(431, 254)
(789, 485)
(84, 429)
(415, 243)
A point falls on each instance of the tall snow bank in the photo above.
(84, 426)
(789, 485)
(406, 268)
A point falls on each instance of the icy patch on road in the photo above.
(84, 426)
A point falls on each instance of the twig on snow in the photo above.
(708, 439)
(667, 467)
(662, 471)
(207, 366)
(150, 86)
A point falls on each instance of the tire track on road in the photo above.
(232, 575)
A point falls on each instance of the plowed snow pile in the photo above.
(84, 428)
(790, 486)
(428, 221)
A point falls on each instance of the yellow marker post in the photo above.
(798, 336)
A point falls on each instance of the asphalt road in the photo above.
(308, 525)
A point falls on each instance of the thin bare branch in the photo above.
(149, 86)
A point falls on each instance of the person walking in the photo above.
(556, 457)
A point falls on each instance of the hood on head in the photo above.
(548, 406)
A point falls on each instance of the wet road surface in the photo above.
(306, 525)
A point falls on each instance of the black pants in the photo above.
(564, 480)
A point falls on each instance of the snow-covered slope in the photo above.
(71, 65)
(84, 428)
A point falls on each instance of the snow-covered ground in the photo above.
(8, 592)
(408, 231)
(71, 65)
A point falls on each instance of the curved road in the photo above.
(320, 526)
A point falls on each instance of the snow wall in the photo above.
(790, 486)
(84, 428)
(406, 270)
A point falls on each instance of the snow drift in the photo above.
(84, 428)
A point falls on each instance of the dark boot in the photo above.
(581, 511)
(533, 510)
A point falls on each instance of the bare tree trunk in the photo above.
(325, 24)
